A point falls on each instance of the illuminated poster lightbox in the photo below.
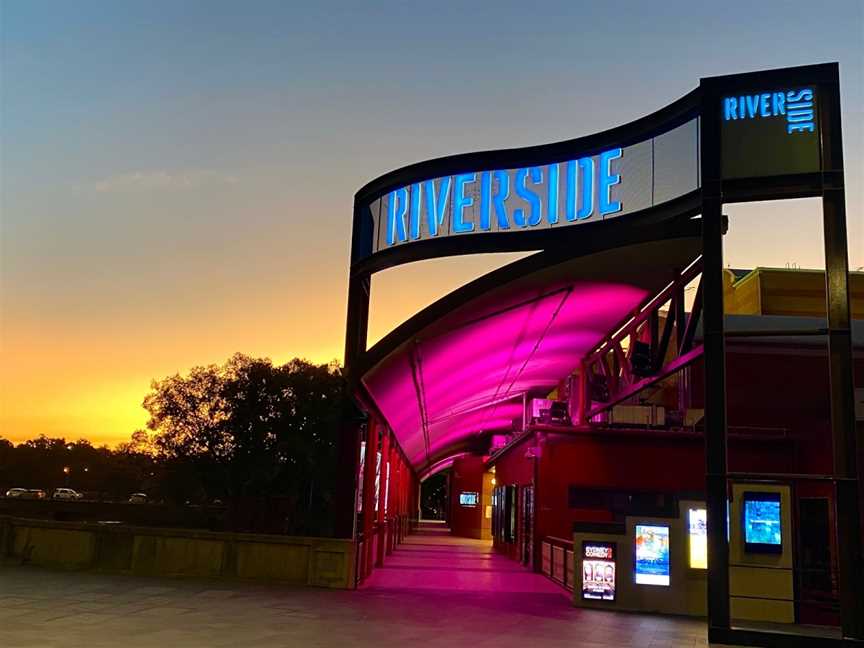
(763, 531)
(598, 571)
(469, 498)
(698, 534)
(652, 554)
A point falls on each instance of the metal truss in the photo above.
(640, 354)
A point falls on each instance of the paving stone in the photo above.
(437, 591)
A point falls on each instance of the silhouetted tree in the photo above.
(249, 429)
(259, 436)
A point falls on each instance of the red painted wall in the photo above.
(514, 468)
(779, 423)
(783, 393)
(466, 475)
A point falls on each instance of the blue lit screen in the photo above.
(762, 522)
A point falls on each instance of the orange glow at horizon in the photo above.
(85, 376)
(75, 372)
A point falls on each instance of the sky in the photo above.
(176, 178)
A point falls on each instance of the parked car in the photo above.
(26, 493)
(66, 494)
(138, 498)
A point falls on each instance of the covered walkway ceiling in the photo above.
(519, 330)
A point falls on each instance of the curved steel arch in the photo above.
(609, 238)
(363, 260)
(769, 180)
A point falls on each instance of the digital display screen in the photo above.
(598, 571)
(469, 498)
(697, 520)
(763, 532)
(652, 554)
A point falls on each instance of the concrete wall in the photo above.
(320, 562)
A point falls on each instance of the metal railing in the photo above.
(556, 560)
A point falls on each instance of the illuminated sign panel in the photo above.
(652, 554)
(469, 498)
(473, 198)
(598, 571)
(697, 521)
(763, 531)
(769, 133)
(585, 189)
(796, 105)
(770, 126)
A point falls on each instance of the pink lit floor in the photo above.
(435, 592)
(433, 559)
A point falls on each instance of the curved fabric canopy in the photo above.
(446, 387)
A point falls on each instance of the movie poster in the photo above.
(652, 554)
(698, 523)
(598, 571)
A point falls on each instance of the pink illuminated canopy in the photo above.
(463, 377)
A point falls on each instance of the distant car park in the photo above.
(26, 493)
(66, 494)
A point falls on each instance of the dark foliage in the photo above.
(258, 437)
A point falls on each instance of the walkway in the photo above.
(465, 594)
(433, 559)
(435, 591)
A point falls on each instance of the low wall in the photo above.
(210, 518)
(321, 562)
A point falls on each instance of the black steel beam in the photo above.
(629, 391)
(686, 340)
(840, 367)
(715, 360)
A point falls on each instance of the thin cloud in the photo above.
(160, 179)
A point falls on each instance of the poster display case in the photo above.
(652, 554)
(697, 536)
(598, 571)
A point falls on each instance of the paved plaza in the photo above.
(434, 591)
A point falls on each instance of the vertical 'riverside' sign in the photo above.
(770, 132)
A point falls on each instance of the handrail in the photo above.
(558, 542)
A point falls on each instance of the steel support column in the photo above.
(348, 441)
(383, 494)
(369, 472)
(843, 433)
(392, 512)
(715, 364)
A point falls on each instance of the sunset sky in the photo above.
(176, 178)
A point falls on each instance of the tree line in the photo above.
(258, 437)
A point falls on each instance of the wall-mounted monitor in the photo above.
(598, 571)
(469, 498)
(697, 531)
(652, 554)
(762, 520)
